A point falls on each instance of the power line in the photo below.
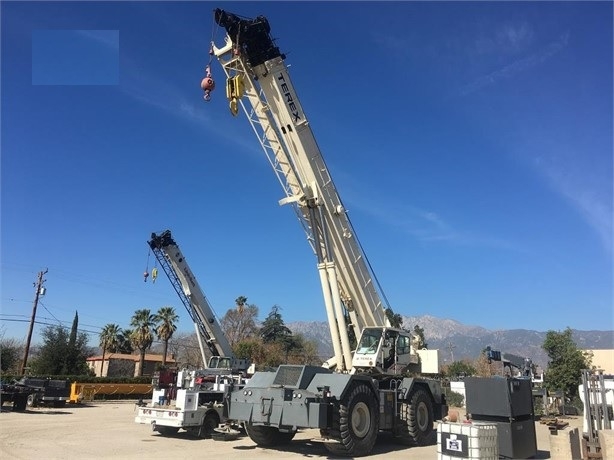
(10, 299)
(11, 320)
(43, 305)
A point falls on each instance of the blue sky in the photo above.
(470, 142)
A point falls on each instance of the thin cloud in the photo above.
(518, 66)
(426, 226)
(506, 39)
(189, 106)
(108, 38)
(153, 91)
(594, 207)
(516, 36)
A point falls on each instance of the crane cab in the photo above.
(229, 363)
(385, 350)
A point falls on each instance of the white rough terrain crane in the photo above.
(192, 400)
(360, 392)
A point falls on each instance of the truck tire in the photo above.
(418, 418)
(358, 423)
(401, 430)
(32, 400)
(20, 402)
(268, 436)
(210, 423)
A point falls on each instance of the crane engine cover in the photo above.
(293, 396)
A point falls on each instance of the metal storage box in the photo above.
(499, 397)
(516, 439)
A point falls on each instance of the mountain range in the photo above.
(456, 341)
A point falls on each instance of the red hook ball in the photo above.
(207, 84)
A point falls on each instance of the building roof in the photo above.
(132, 357)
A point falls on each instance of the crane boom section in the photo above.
(350, 289)
(175, 266)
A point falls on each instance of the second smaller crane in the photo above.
(208, 329)
(193, 400)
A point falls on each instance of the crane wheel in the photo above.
(268, 436)
(358, 423)
(210, 423)
(416, 420)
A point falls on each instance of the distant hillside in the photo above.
(457, 341)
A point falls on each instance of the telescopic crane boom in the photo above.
(257, 73)
(209, 331)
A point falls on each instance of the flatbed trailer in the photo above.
(17, 395)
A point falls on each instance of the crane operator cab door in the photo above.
(383, 349)
(396, 351)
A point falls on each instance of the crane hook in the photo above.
(207, 84)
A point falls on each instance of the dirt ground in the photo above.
(108, 430)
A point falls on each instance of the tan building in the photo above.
(603, 359)
(122, 365)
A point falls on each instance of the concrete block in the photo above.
(565, 445)
(606, 443)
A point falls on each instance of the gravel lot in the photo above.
(108, 430)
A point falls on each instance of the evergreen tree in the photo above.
(276, 344)
(460, 369)
(59, 356)
(273, 328)
(419, 334)
(72, 353)
(565, 364)
(10, 351)
(395, 319)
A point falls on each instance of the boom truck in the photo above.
(516, 366)
(198, 394)
(361, 391)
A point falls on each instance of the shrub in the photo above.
(455, 399)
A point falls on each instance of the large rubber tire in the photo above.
(268, 436)
(20, 402)
(418, 417)
(356, 423)
(210, 423)
(32, 400)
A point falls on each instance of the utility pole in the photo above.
(39, 291)
(451, 348)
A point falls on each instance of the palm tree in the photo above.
(166, 318)
(141, 337)
(241, 301)
(109, 340)
(125, 345)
